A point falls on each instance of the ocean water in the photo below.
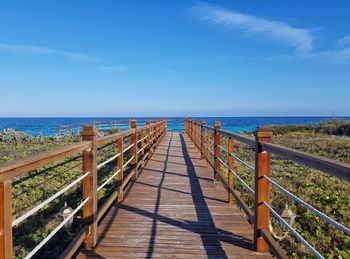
(48, 126)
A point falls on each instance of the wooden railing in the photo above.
(100, 125)
(208, 141)
(141, 145)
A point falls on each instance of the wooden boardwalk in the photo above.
(174, 210)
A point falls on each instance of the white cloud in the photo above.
(112, 68)
(29, 49)
(333, 56)
(297, 38)
(344, 41)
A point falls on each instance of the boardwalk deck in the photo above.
(174, 210)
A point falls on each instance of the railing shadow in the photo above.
(201, 206)
(211, 236)
(156, 209)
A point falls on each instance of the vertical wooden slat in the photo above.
(208, 146)
(202, 138)
(156, 131)
(148, 133)
(191, 129)
(6, 246)
(90, 185)
(231, 162)
(142, 142)
(217, 151)
(197, 135)
(59, 131)
(262, 189)
(120, 176)
(133, 141)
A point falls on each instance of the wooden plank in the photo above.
(133, 141)
(217, 150)
(90, 185)
(120, 176)
(6, 245)
(174, 210)
(262, 190)
(231, 163)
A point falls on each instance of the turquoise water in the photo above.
(48, 126)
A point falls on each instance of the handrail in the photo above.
(10, 170)
(76, 128)
(262, 147)
(88, 148)
(239, 137)
(326, 165)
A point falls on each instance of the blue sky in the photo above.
(174, 58)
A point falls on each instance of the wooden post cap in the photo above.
(203, 122)
(217, 124)
(133, 123)
(89, 131)
(148, 122)
(263, 133)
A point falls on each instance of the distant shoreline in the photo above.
(48, 125)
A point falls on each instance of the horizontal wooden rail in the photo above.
(208, 141)
(135, 136)
(15, 168)
(76, 128)
(326, 165)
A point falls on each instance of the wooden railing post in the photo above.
(191, 129)
(148, 133)
(59, 131)
(142, 142)
(208, 147)
(217, 151)
(202, 138)
(262, 189)
(90, 185)
(133, 141)
(120, 176)
(194, 132)
(156, 127)
(6, 246)
(231, 163)
(199, 136)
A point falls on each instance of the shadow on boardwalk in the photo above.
(174, 210)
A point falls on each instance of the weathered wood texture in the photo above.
(174, 210)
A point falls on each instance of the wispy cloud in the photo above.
(334, 56)
(297, 38)
(112, 68)
(29, 49)
(338, 55)
(344, 41)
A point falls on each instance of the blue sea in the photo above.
(48, 126)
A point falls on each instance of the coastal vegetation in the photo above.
(326, 193)
(29, 190)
